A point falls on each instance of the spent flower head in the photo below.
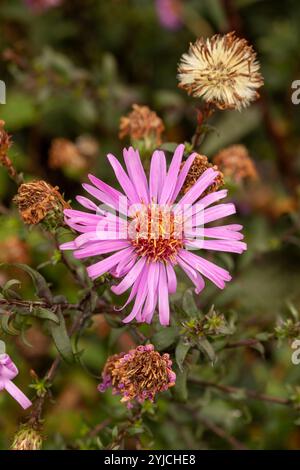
(64, 154)
(28, 437)
(138, 375)
(142, 124)
(222, 70)
(236, 164)
(38, 201)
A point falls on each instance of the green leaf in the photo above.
(45, 314)
(169, 146)
(232, 126)
(164, 338)
(19, 110)
(2, 347)
(9, 293)
(189, 304)
(181, 351)
(40, 283)
(5, 324)
(205, 346)
(180, 389)
(61, 338)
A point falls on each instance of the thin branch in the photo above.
(228, 389)
(30, 304)
(250, 342)
(220, 432)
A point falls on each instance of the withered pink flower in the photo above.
(152, 234)
(138, 375)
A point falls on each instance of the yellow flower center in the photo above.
(156, 232)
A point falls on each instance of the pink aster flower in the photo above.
(151, 230)
(8, 371)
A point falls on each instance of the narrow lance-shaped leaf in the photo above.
(61, 338)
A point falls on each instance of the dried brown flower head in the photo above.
(222, 70)
(236, 163)
(138, 375)
(39, 199)
(142, 124)
(5, 143)
(200, 164)
(64, 154)
(14, 250)
(27, 438)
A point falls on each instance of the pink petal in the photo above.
(100, 248)
(103, 266)
(87, 203)
(130, 278)
(163, 297)
(67, 246)
(123, 179)
(105, 187)
(223, 232)
(218, 212)
(157, 175)
(205, 180)
(182, 175)
(125, 265)
(210, 270)
(171, 178)
(172, 280)
(150, 304)
(136, 173)
(194, 276)
(231, 246)
(140, 296)
(101, 196)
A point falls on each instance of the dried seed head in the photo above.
(236, 163)
(37, 200)
(222, 70)
(138, 375)
(27, 438)
(64, 154)
(199, 166)
(142, 124)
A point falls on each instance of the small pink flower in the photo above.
(42, 5)
(8, 371)
(151, 233)
(169, 13)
